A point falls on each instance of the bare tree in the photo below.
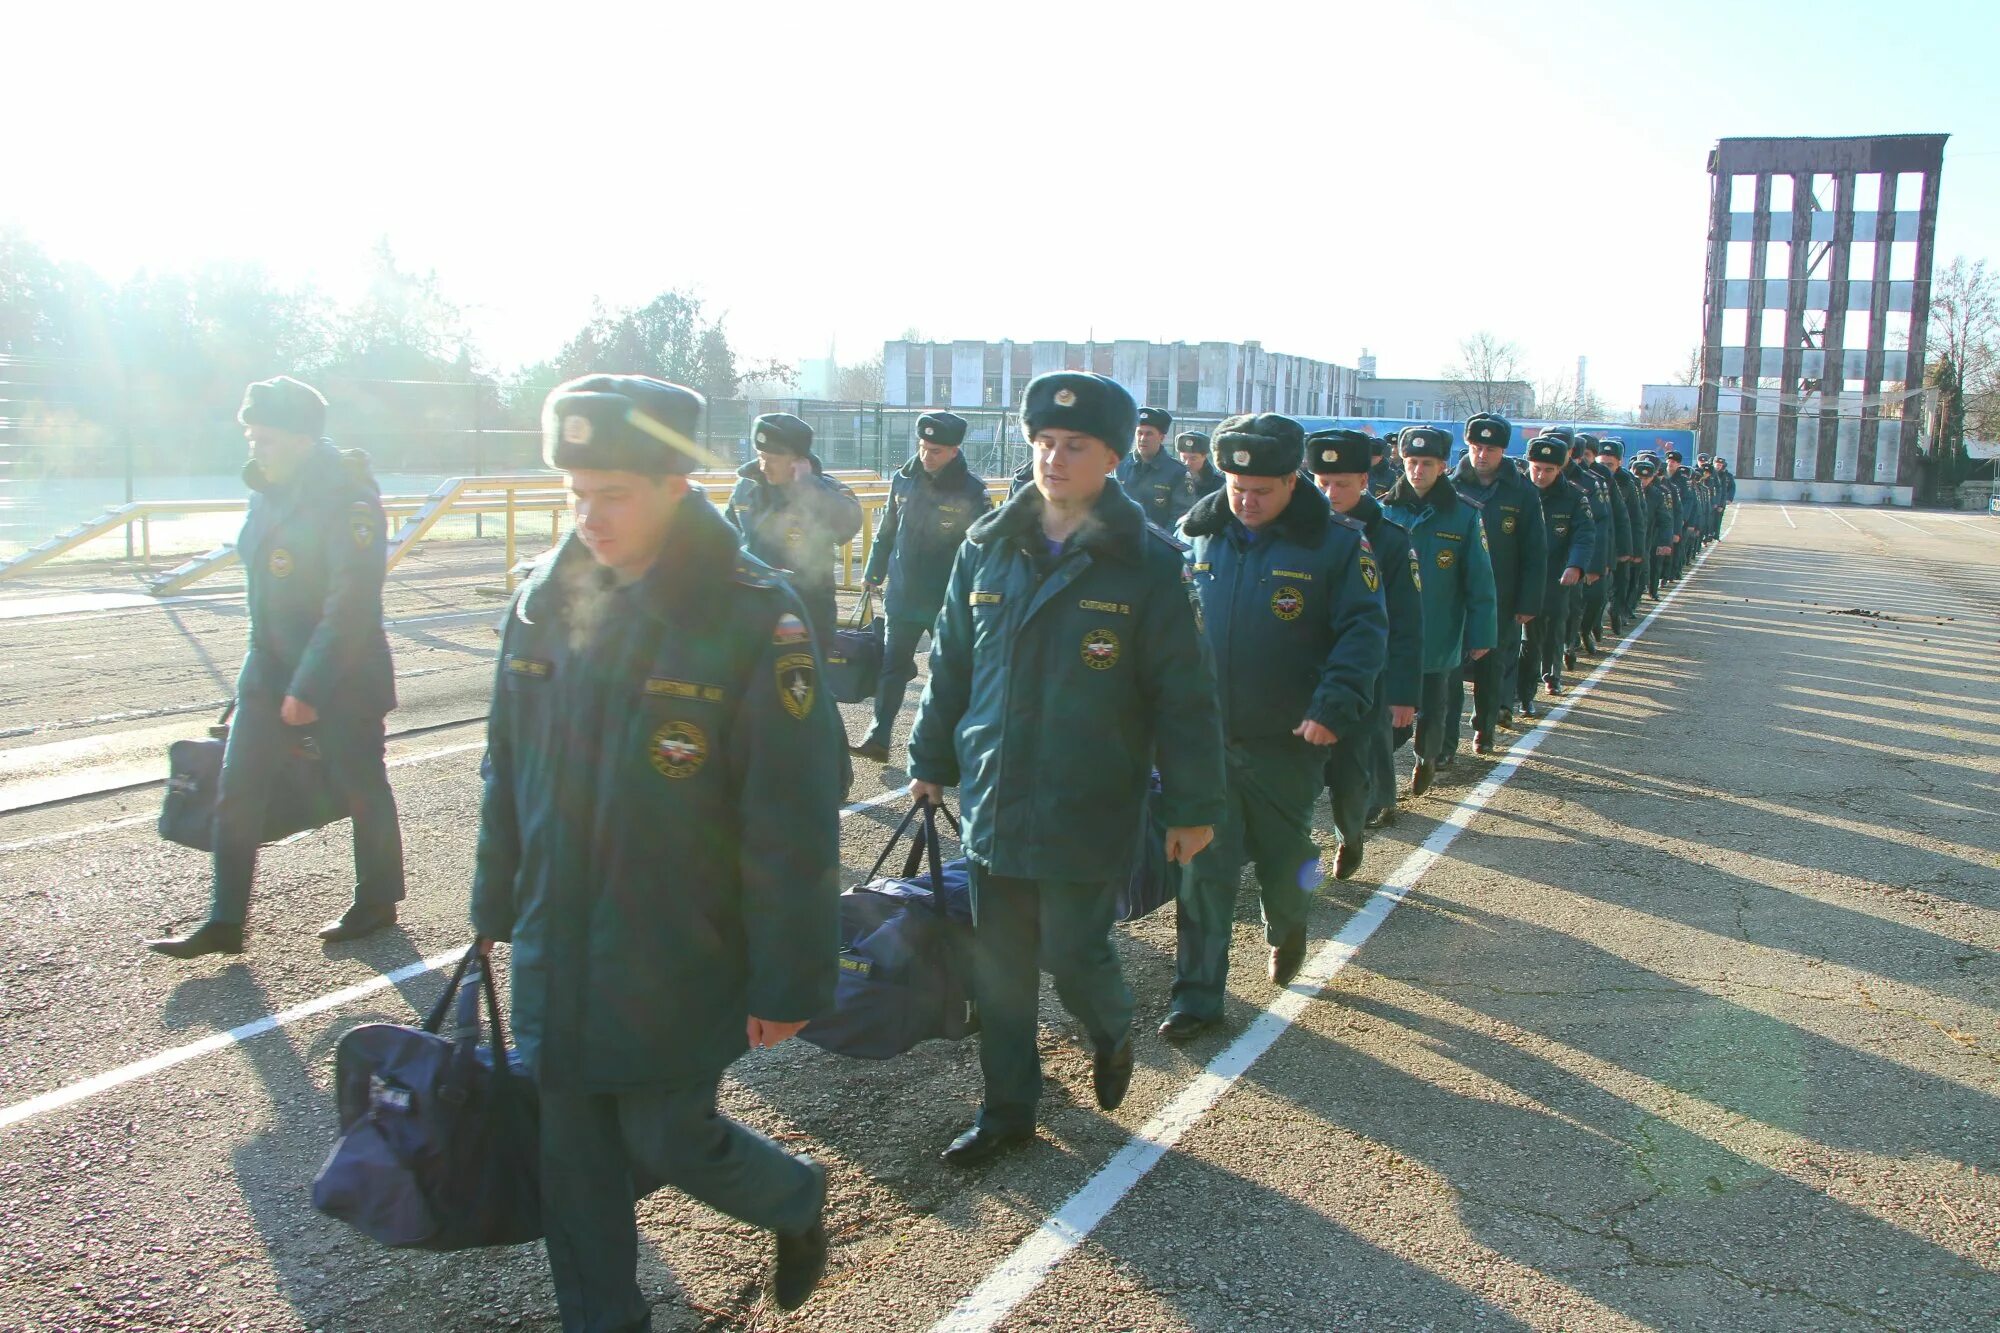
(1964, 336)
(861, 383)
(1483, 377)
(1560, 400)
(1691, 372)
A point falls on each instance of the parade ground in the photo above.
(1681, 1013)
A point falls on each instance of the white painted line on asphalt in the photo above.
(153, 1064)
(1788, 515)
(1911, 526)
(1835, 514)
(1021, 1272)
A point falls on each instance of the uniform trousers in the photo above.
(1542, 654)
(1492, 685)
(602, 1151)
(899, 668)
(1021, 928)
(1270, 785)
(1350, 774)
(351, 747)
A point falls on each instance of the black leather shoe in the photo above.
(1529, 711)
(1569, 659)
(1447, 761)
(1111, 1074)
(979, 1145)
(1382, 818)
(1288, 958)
(870, 750)
(1505, 717)
(801, 1260)
(359, 923)
(210, 937)
(1425, 775)
(1182, 1027)
(1347, 860)
(1482, 745)
(1555, 686)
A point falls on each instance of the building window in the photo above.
(1187, 395)
(913, 389)
(1156, 393)
(993, 389)
(1100, 360)
(1412, 408)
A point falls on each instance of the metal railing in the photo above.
(415, 519)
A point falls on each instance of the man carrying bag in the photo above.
(314, 550)
(659, 845)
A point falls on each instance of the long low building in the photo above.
(1210, 378)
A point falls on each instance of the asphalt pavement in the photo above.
(1683, 1015)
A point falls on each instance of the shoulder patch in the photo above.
(790, 630)
(1168, 538)
(1348, 521)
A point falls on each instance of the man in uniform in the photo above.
(1147, 474)
(933, 499)
(1361, 773)
(659, 845)
(1586, 614)
(1511, 513)
(314, 548)
(1199, 476)
(1459, 611)
(1066, 667)
(1725, 492)
(1659, 523)
(1606, 593)
(1572, 533)
(1631, 566)
(1382, 472)
(794, 517)
(1677, 481)
(1291, 607)
(1666, 569)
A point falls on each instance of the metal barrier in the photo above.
(415, 518)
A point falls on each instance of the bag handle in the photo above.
(435, 1022)
(864, 610)
(925, 845)
(471, 959)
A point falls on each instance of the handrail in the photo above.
(511, 495)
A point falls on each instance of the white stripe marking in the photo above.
(1021, 1272)
(1835, 514)
(1788, 515)
(1911, 526)
(153, 1064)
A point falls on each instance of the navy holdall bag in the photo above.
(439, 1136)
(905, 952)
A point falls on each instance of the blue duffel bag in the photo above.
(854, 658)
(439, 1136)
(1154, 880)
(905, 952)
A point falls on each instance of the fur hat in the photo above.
(622, 423)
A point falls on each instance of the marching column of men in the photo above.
(659, 839)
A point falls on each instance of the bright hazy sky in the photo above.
(1321, 177)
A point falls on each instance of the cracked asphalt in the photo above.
(1695, 1026)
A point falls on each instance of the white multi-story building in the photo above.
(1206, 379)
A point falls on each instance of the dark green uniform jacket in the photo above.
(1627, 541)
(1683, 499)
(1293, 615)
(1572, 531)
(660, 832)
(1403, 595)
(1627, 488)
(797, 528)
(1153, 485)
(1604, 546)
(927, 517)
(1058, 682)
(1659, 514)
(1725, 494)
(1189, 490)
(1024, 476)
(1512, 515)
(314, 551)
(1450, 542)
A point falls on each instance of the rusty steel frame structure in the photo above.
(1799, 417)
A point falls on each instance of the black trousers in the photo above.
(1542, 653)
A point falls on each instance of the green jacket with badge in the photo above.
(1293, 614)
(314, 549)
(1460, 610)
(659, 837)
(1058, 681)
(922, 525)
(1155, 486)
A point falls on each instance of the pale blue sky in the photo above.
(1318, 177)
